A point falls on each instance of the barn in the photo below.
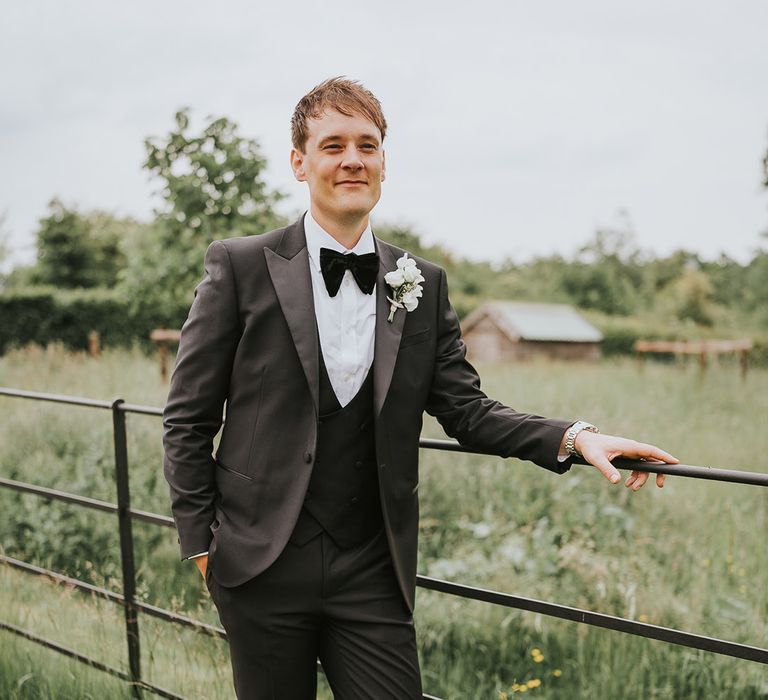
(500, 331)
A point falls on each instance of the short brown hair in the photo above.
(346, 96)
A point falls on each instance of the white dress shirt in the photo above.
(346, 322)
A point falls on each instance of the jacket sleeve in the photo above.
(476, 421)
(199, 387)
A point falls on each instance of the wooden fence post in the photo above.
(163, 337)
(94, 344)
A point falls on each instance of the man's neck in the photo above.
(346, 231)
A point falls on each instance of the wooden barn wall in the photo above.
(485, 343)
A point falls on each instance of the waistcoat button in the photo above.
(307, 457)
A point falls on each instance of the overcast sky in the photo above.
(515, 128)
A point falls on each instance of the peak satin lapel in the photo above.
(388, 334)
(293, 287)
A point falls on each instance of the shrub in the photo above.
(25, 317)
(44, 315)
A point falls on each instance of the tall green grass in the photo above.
(691, 555)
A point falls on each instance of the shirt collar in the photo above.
(318, 237)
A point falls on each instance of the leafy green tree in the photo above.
(689, 297)
(64, 256)
(79, 250)
(538, 279)
(756, 286)
(660, 272)
(727, 277)
(756, 274)
(213, 183)
(213, 187)
(111, 238)
(607, 274)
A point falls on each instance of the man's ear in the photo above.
(383, 164)
(297, 165)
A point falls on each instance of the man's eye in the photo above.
(332, 147)
(369, 146)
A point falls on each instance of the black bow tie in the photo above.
(364, 269)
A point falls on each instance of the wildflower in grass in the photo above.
(557, 673)
(538, 658)
(534, 683)
(535, 652)
(522, 689)
(503, 695)
(643, 617)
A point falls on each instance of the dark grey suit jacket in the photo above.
(251, 341)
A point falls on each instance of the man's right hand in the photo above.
(202, 564)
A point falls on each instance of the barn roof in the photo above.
(536, 321)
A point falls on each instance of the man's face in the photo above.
(343, 164)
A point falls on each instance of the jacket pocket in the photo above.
(240, 423)
(233, 471)
(414, 338)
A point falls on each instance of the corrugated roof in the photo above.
(536, 321)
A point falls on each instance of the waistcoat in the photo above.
(343, 493)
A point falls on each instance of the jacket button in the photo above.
(358, 464)
(382, 466)
(307, 457)
(353, 500)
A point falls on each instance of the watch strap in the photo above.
(572, 432)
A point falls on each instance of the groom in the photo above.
(305, 521)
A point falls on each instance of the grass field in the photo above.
(691, 555)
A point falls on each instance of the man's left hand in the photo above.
(600, 449)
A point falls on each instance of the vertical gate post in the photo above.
(126, 544)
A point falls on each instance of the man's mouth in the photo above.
(352, 183)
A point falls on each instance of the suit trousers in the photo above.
(317, 601)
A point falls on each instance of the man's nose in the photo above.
(351, 158)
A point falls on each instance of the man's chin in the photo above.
(355, 207)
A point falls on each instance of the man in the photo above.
(327, 345)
